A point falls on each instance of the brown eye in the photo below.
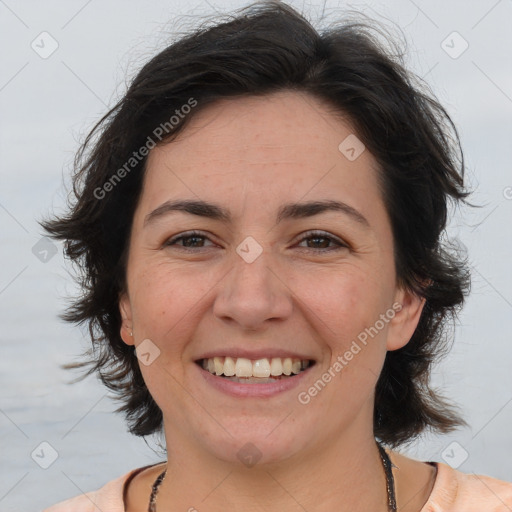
(188, 240)
(321, 240)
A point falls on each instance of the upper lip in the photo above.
(253, 354)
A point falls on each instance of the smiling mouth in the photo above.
(258, 371)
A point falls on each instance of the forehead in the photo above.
(284, 145)
(253, 128)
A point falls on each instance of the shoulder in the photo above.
(455, 491)
(109, 497)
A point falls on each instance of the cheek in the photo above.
(347, 307)
(344, 301)
(162, 300)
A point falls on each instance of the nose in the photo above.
(252, 294)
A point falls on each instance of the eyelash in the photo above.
(310, 235)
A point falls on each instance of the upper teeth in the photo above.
(242, 367)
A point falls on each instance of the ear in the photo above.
(125, 309)
(405, 321)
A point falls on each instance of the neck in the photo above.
(345, 476)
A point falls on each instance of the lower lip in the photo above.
(239, 389)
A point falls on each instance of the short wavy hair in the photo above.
(261, 49)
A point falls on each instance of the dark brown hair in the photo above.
(265, 48)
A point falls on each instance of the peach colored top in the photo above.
(453, 491)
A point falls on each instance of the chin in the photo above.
(250, 446)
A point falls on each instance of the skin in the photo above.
(251, 156)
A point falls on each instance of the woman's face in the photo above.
(264, 278)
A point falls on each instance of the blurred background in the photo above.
(62, 65)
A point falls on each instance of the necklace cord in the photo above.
(390, 483)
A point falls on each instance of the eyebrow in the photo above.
(287, 211)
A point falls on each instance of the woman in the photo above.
(259, 226)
